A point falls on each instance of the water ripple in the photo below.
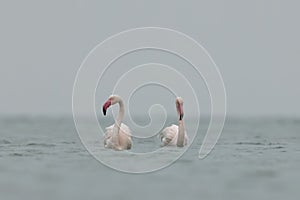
(4, 141)
(40, 144)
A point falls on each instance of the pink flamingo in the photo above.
(175, 135)
(118, 135)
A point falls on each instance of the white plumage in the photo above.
(124, 138)
(169, 136)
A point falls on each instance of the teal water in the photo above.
(255, 158)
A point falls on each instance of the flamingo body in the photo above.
(169, 136)
(124, 138)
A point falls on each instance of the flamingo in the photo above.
(118, 135)
(175, 135)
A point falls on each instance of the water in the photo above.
(255, 158)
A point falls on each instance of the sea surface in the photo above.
(255, 158)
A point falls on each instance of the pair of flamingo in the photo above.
(118, 135)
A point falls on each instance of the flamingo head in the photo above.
(179, 107)
(113, 99)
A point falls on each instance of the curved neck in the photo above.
(119, 120)
(180, 138)
(121, 112)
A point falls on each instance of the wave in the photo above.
(4, 141)
(40, 144)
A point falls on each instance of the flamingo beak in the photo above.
(105, 106)
(180, 112)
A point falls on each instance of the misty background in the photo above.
(255, 44)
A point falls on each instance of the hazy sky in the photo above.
(255, 44)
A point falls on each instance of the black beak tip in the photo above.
(104, 111)
(181, 117)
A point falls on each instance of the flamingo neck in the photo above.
(118, 121)
(180, 138)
